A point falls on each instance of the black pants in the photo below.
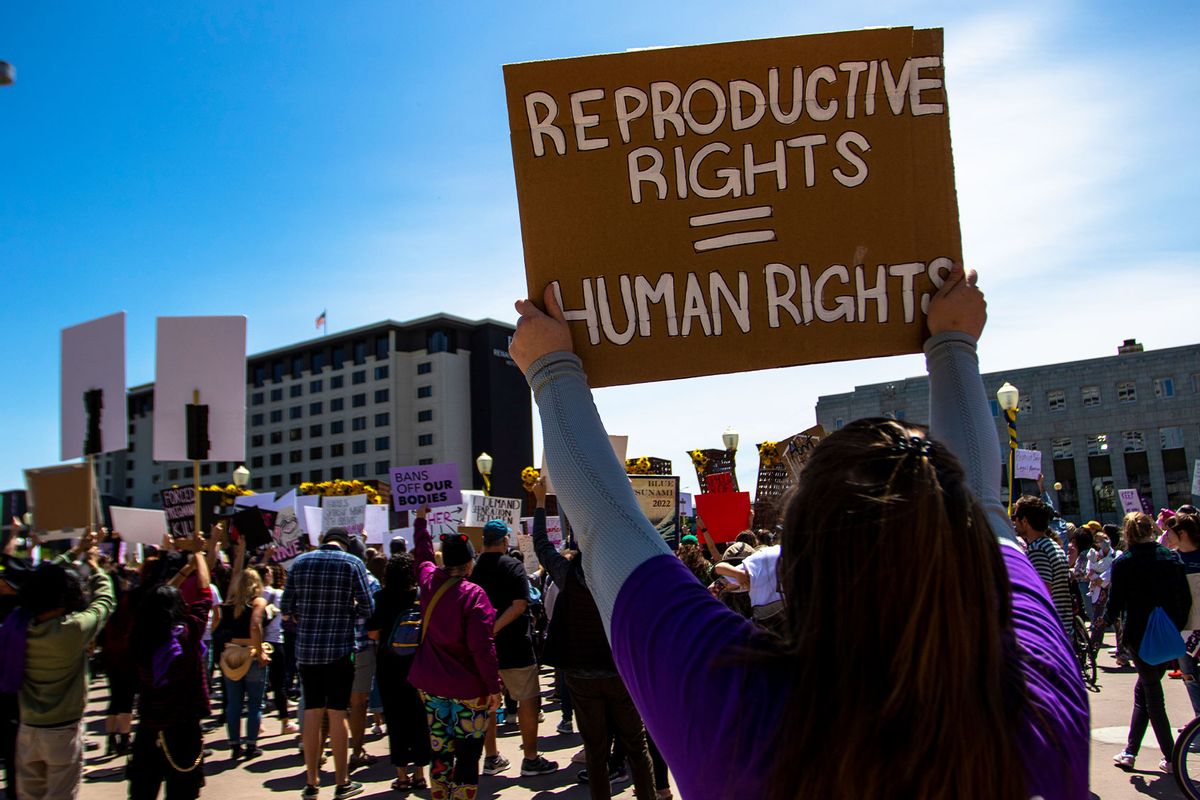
(1150, 708)
(10, 720)
(602, 704)
(149, 768)
(662, 778)
(277, 677)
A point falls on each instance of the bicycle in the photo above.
(1085, 651)
(1185, 760)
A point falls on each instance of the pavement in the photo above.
(279, 771)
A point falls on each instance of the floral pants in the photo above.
(456, 729)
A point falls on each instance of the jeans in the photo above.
(601, 704)
(246, 692)
(1149, 707)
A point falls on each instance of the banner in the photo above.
(139, 525)
(658, 498)
(724, 515)
(1028, 465)
(427, 485)
(179, 504)
(347, 512)
(375, 523)
(93, 358)
(287, 536)
(737, 206)
(481, 509)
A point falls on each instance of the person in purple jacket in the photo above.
(961, 685)
(455, 667)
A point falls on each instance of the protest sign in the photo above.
(1196, 479)
(658, 498)
(252, 525)
(737, 206)
(259, 500)
(286, 536)
(686, 508)
(1028, 464)
(528, 553)
(313, 519)
(205, 354)
(800, 447)
(776, 474)
(347, 512)
(445, 519)
(401, 533)
(1131, 502)
(93, 359)
(554, 531)
(139, 525)
(375, 523)
(479, 509)
(725, 515)
(59, 499)
(306, 501)
(179, 504)
(426, 485)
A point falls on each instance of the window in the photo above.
(1061, 449)
(1196, 383)
(382, 343)
(295, 434)
(260, 376)
(424, 368)
(315, 453)
(1090, 395)
(316, 408)
(358, 400)
(382, 442)
(276, 459)
(425, 461)
(381, 372)
(1171, 438)
(256, 484)
(256, 440)
(381, 467)
(337, 426)
(276, 395)
(129, 464)
(297, 368)
(129, 485)
(316, 475)
(1097, 445)
(296, 390)
(276, 481)
(318, 364)
(276, 437)
(296, 412)
(360, 352)
(1164, 387)
(205, 469)
(359, 377)
(339, 357)
(382, 419)
(1134, 441)
(277, 415)
(358, 471)
(425, 415)
(1027, 403)
(381, 395)
(294, 478)
(295, 457)
(424, 391)
(838, 424)
(172, 474)
(425, 439)
(1126, 392)
(337, 451)
(256, 419)
(337, 404)
(315, 431)
(994, 405)
(277, 371)
(437, 342)
(337, 473)
(1056, 400)
(358, 447)
(358, 424)
(315, 386)
(337, 381)
(256, 399)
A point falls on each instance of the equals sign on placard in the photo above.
(731, 239)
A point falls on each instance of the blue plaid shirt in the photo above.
(327, 593)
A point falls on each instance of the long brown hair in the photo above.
(904, 678)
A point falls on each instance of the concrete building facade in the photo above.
(1129, 421)
(353, 405)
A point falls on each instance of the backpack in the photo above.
(406, 633)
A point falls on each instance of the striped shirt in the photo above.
(1050, 562)
(326, 593)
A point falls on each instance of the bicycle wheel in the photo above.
(1185, 760)
(1081, 645)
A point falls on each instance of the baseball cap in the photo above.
(494, 531)
(689, 539)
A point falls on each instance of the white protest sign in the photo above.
(1028, 464)
(554, 531)
(528, 554)
(347, 512)
(285, 501)
(481, 509)
(620, 446)
(205, 354)
(686, 506)
(93, 357)
(139, 525)
(286, 536)
(444, 519)
(1130, 502)
(1196, 479)
(302, 502)
(264, 501)
(401, 533)
(312, 522)
(375, 523)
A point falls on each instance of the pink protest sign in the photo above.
(425, 485)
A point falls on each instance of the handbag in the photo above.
(1161, 642)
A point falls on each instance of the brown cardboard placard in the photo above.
(701, 213)
(58, 497)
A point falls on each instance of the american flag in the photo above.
(321, 320)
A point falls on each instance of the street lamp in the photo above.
(241, 477)
(730, 439)
(484, 465)
(1009, 399)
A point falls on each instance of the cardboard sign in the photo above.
(93, 357)
(800, 447)
(426, 485)
(139, 525)
(347, 512)
(287, 536)
(179, 504)
(737, 206)
(480, 509)
(725, 515)
(206, 354)
(375, 523)
(1130, 501)
(58, 497)
(713, 461)
(528, 553)
(1028, 464)
(658, 498)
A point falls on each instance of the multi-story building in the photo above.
(353, 405)
(1129, 421)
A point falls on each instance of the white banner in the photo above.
(1029, 464)
(139, 525)
(347, 512)
(481, 509)
(1130, 502)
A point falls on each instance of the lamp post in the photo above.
(241, 477)
(1009, 399)
(730, 439)
(484, 464)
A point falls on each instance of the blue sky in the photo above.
(277, 159)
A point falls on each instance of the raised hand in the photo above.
(958, 305)
(539, 333)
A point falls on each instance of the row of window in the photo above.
(318, 385)
(338, 450)
(317, 408)
(1090, 397)
(337, 426)
(317, 475)
(1098, 444)
(317, 359)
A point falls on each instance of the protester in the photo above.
(757, 575)
(243, 659)
(1031, 518)
(364, 672)
(1082, 542)
(455, 668)
(279, 670)
(693, 558)
(327, 593)
(114, 659)
(577, 644)
(504, 580)
(13, 574)
(956, 599)
(1186, 529)
(62, 625)
(1147, 577)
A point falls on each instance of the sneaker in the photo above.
(347, 789)
(288, 727)
(537, 766)
(1175, 674)
(361, 759)
(493, 765)
(251, 751)
(1164, 766)
(310, 792)
(1124, 760)
(235, 751)
(565, 727)
(619, 775)
(580, 757)
(377, 730)
(541, 716)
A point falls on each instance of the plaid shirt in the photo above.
(326, 594)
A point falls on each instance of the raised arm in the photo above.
(550, 559)
(422, 539)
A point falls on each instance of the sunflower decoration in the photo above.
(768, 454)
(343, 488)
(699, 460)
(637, 466)
(229, 492)
(529, 478)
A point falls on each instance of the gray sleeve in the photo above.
(960, 418)
(614, 535)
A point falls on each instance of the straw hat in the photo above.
(235, 661)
